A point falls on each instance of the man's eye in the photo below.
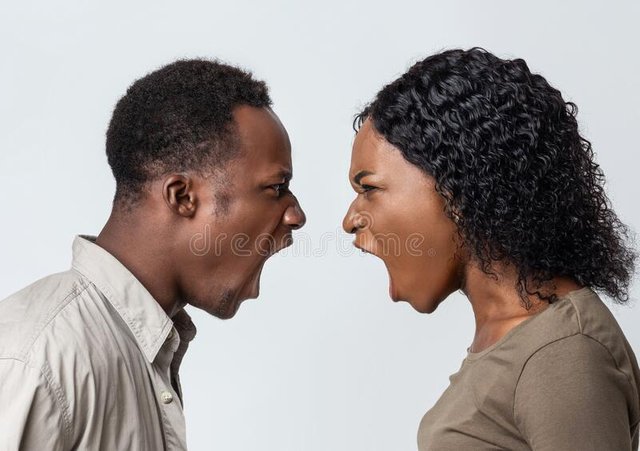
(280, 188)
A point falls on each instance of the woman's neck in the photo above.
(497, 305)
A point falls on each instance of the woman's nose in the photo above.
(349, 220)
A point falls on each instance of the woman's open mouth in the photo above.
(392, 291)
(362, 248)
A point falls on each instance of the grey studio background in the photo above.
(323, 360)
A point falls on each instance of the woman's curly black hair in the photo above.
(506, 155)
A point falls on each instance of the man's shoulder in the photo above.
(29, 312)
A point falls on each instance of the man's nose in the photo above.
(294, 216)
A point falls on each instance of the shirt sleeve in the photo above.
(30, 414)
(571, 396)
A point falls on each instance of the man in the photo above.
(89, 358)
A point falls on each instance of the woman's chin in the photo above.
(398, 292)
(392, 292)
(393, 287)
(395, 294)
(417, 301)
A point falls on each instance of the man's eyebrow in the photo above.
(285, 174)
(360, 175)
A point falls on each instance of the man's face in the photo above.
(245, 214)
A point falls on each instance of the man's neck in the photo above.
(129, 239)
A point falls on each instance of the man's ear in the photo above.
(179, 195)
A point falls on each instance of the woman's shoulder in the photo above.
(577, 381)
(578, 319)
(577, 331)
(564, 353)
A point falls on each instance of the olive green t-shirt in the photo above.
(565, 379)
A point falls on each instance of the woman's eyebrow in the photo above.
(360, 175)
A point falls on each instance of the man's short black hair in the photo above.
(177, 118)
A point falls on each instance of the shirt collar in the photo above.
(148, 322)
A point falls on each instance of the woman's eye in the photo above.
(367, 188)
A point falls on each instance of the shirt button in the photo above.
(166, 397)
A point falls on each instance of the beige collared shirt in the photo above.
(89, 360)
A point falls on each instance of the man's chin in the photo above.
(251, 290)
(227, 306)
(227, 313)
(228, 303)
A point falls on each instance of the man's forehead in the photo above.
(257, 124)
(259, 127)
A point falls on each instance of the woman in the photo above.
(476, 167)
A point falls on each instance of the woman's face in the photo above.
(398, 216)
